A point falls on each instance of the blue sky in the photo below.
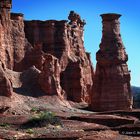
(90, 11)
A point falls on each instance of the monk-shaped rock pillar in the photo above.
(112, 78)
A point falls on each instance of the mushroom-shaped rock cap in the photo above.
(110, 16)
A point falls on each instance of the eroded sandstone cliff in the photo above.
(55, 48)
(64, 40)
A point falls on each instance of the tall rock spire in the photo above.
(112, 78)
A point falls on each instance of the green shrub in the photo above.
(34, 109)
(30, 131)
(5, 125)
(42, 119)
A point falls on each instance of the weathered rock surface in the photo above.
(71, 129)
(19, 43)
(6, 89)
(112, 78)
(107, 120)
(65, 41)
(5, 84)
(49, 78)
(12, 37)
(57, 45)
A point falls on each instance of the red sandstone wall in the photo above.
(65, 41)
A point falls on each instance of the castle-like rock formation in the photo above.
(112, 89)
(64, 40)
(49, 58)
(55, 48)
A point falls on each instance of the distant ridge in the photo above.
(135, 90)
(136, 96)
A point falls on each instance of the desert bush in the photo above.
(34, 109)
(30, 131)
(43, 118)
(4, 125)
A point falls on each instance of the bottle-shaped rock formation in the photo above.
(112, 79)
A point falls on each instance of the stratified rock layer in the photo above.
(49, 79)
(5, 83)
(64, 41)
(56, 49)
(112, 78)
(13, 44)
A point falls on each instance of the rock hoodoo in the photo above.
(112, 78)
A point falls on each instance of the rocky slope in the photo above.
(72, 125)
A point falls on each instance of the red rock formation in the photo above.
(65, 41)
(34, 56)
(5, 6)
(51, 35)
(5, 84)
(19, 43)
(79, 68)
(6, 48)
(112, 78)
(62, 65)
(12, 37)
(49, 79)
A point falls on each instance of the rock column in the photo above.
(5, 7)
(112, 77)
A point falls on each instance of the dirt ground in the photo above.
(51, 118)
